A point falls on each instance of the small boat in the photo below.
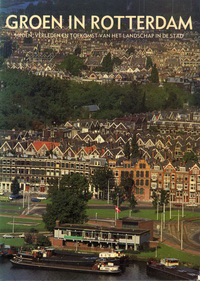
(170, 268)
(7, 250)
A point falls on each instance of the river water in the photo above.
(135, 271)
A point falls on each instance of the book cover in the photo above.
(108, 90)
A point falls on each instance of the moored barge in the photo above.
(170, 268)
(46, 258)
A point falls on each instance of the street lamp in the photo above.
(108, 191)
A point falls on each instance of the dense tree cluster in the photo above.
(69, 201)
(15, 188)
(160, 198)
(73, 64)
(29, 101)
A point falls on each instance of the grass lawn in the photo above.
(165, 251)
(103, 202)
(9, 213)
(17, 242)
(142, 213)
(10, 207)
(7, 228)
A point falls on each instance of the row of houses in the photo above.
(112, 146)
(34, 174)
(177, 59)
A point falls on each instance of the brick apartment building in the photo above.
(181, 180)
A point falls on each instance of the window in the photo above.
(141, 182)
(141, 190)
(126, 174)
(147, 174)
(146, 182)
(137, 174)
(142, 174)
(137, 182)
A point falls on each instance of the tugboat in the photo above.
(170, 267)
(46, 258)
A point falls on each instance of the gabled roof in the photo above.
(49, 145)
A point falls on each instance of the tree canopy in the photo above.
(160, 198)
(29, 101)
(190, 156)
(69, 201)
(73, 64)
(101, 179)
(154, 74)
(15, 186)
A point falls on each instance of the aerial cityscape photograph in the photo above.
(99, 140)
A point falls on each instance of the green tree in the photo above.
(69, 202)
(190, 156)
(130, 51)
(1, 61)
(101, 179)
(77, 50)
(149, 63)
(28, 238)
(127, 150)
(132, 202)
(173, 101)
(72, 64)
(107, 63)
(43, 241)
(154, 78)
(134, 147)
(118, 196)
(15, 186)
(160, 198)
(196, 98)
(127, 183)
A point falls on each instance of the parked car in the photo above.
(8, 236)
(22, 235)
(17, 196)
(41, 197)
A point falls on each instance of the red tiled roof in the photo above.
(49, 145)
(89, 149)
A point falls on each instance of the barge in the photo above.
(48, 259)
(170, 268)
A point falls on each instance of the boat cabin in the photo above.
(169, 262)
(114, 254)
